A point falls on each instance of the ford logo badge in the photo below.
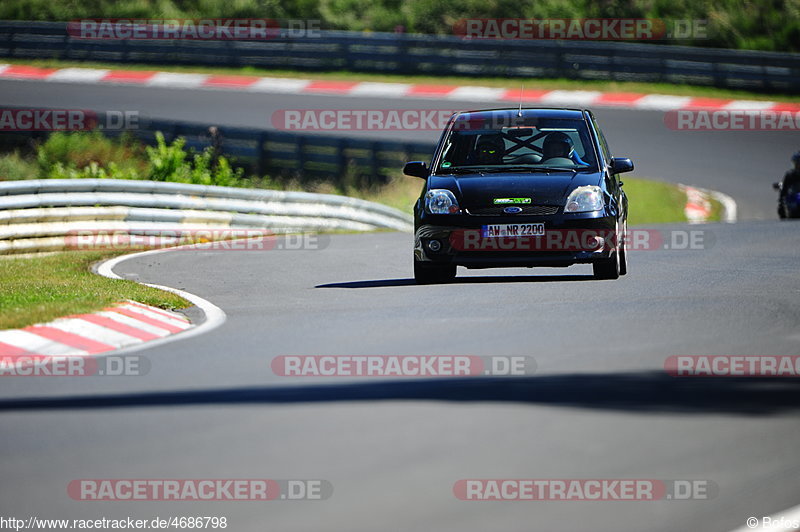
(512, 210)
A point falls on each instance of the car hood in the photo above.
(541, 188)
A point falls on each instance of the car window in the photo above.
(542, 143)
(603, 143)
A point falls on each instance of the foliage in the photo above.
(752, 24)
(91, 155)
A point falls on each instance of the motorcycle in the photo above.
(788, 200)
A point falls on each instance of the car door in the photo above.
(613, 183)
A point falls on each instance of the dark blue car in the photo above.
(520, 187)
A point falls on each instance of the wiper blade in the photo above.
(511, 169)
(451, 171)
(508, 168)
(531, 169)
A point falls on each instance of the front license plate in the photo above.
(506, 230)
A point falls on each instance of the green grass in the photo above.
(511, 83)
(651, 202)
(41, 288)
(716, 211)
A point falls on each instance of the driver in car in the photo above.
(489, 149)
(558, 145)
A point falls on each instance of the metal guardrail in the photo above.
(426, 54)
(39, 215)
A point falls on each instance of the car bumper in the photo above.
(567, 240)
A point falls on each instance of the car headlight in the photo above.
(441, 201)
(585, 199)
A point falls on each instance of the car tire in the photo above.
(781, 212)
(433, 274)
(607, 268)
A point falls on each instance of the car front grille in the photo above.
(497, 210)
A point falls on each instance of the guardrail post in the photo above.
(374, 148)
(261, 154)
(301, 153)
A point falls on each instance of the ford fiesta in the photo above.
(520, 188)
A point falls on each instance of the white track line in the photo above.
(133, 322)
(662, 102)
(749, 105)
(395, 90)
(177, 80)
(283, 85)
(78, 75)
(476, 93)
(729, 206)
(36, 344)
(95, 332)
(157, 316)
(563, 97)
(214, 315)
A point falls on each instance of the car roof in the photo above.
(544, 112)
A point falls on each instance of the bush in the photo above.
(65, 151)
(82, 155)
(92, 171)
(169, 163)
(13, 167)
(766, 25)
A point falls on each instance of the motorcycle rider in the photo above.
(790, 180)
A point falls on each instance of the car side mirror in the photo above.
(416, 169)
(776, 186)
(620, 165)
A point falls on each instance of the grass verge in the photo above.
(527, 83)
(43, 288)
(652, 202)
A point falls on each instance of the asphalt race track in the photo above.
(599, 405)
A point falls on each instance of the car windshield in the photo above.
(526, 144)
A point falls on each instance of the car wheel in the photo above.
(611, 267)
(607, 268)
(433, 274)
